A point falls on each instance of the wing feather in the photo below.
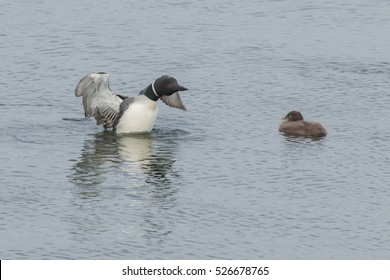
(174, 101)
(98, 100)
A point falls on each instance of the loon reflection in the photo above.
(139, 159)
(138, 152)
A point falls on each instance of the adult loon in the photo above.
(127, 114)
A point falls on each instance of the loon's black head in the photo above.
(166, 85)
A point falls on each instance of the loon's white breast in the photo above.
(140, 116)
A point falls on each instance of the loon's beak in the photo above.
(181, 88)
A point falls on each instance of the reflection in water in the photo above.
(144, 162)
(301, 139)
(98, 155)
(302, 155)
(138, 151)
(137, 156)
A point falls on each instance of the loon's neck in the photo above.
(150, 92)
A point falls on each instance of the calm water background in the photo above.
(217, 181)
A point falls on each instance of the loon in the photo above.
(127, 114)
(294, 124)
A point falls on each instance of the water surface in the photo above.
(217, 181)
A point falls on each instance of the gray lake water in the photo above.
(218, 181)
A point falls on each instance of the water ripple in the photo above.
(217, 181)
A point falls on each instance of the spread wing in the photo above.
(98, 100)
(174, 101)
